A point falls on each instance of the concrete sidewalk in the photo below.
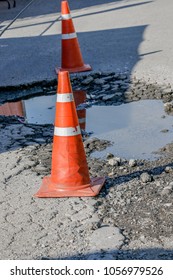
(113, 35)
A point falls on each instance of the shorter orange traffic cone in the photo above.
(69, 174)
(71, 57)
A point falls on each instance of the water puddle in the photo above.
(136, 129)
(38, 110)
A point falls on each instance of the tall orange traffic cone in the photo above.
(69, 174)
(71, 57)
(79, 98)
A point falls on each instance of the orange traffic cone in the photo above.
(71, 57)
(79, 98)
(69, 174)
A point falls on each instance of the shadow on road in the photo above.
(44, 7)
(138, 254)
(155, 171)
(105, 50)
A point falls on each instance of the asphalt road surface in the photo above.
(122, 35)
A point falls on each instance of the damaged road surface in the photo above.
(131, 218)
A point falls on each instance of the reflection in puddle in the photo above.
(12, 108)
(134, 128)
(41, 109)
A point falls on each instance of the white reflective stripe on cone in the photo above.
(67, 131)
(82, 120)
(64, 97)
(66, 16)
(69, 36)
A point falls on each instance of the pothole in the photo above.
(136, 129)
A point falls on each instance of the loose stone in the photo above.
(167, 90)
(167, 190)
(164, 130)
(88, 80)
(145, 177)
(99, 81)
(113, 162)
(109, 155)
(132, 162)
(108, 97)
(168, 169)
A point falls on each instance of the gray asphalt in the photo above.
(122, 35)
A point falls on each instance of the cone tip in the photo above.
(65, 7)
(64, 85)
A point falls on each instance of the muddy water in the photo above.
(136, 129)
